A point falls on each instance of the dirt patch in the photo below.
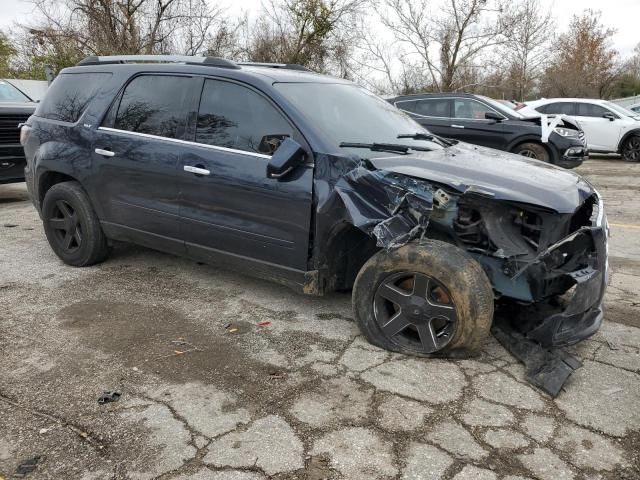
(149, 338)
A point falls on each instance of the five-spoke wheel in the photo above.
(66, 226)
(415, 311)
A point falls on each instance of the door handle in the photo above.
(457, 126)
(104, 153)
(196, 170)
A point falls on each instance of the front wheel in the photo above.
(532, 150)
(430, 299)
(631, 149)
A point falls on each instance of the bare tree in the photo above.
(64, 31)
(314, 33)
(527, 49)
(584, 64)
(448, 41)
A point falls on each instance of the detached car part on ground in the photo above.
(483, 121)
(316, 183)
(15, 108)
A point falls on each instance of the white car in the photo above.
(609, 128)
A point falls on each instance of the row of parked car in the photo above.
(587, 125)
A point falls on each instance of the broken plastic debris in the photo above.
(264, 324)
(611, 391)
(42, 431)
(28, 466)
(231, 330)
(108, 397)
(612, 345)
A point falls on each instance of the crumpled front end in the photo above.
(580, 259)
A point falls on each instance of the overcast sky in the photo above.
(623, 15)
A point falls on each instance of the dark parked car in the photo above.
(483, 121)
(314, 182)
(15, 108)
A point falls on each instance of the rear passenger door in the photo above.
(137, 151)
(228, 205)
(432, 113)
(601, 126)
(470, 125)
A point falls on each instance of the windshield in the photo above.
(9, 93)
(621, 110)
(348, 113)
(502, 108)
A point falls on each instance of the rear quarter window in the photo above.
(69, 96)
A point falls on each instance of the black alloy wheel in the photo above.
(415, 311)
(631, 149)
(66, 226)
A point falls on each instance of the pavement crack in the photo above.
(88, 437)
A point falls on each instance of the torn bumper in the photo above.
(573, 157)
(583, 314)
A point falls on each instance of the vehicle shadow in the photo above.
(13, 192)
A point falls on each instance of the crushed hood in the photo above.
(496, 174)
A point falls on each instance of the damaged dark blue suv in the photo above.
(316, 183)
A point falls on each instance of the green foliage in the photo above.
(7, 51)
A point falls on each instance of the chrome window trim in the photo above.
(186, 142)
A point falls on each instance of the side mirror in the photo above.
(288, 156)
(493, 116)
(609, 115)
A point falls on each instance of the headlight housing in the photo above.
(567, 132)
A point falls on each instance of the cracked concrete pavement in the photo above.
(304, 397)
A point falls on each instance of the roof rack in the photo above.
(287, 66)
(186, 59)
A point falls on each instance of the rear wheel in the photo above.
(72, 227)
(532, 150)
(631, 149)
(430, 299)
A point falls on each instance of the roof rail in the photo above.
(287, 66)
(186, 59)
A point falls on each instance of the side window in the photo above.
(155, 105)
(407, 105)
(557, 108)
(470, 109)
(70, 95)
(428, 107)
(234, 116)
(591, 110)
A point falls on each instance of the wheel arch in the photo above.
(533, 139)
(348, 249)
(625, 137)
(48, 179)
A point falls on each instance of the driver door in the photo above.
(228, 206)
(470, 125)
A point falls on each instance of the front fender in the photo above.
(635, 131)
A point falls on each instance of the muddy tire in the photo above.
(631, 149)
(72, 227)
(430, 300)
(532, 150)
